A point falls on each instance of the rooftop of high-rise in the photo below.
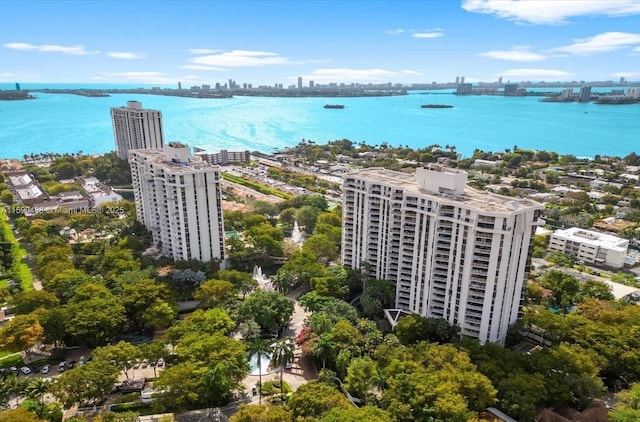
(444, 182)
(175, 157)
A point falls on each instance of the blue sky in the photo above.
(268, 42)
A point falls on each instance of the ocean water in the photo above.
(69, 123)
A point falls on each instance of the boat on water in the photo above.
(339, 106)
(436, 106)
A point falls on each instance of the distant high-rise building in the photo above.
(299, 82)
(464, 89)
(453, 252)
(180, 85)
(510, 89)
(178, 198)
(566, 94)
(206, 87)
(585, 94)
(461, 79)
(500, 80)
(312, 84)
(622, 80)
(457, 80)
(136, 128)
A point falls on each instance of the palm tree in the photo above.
(323, 349)
(282, 353)
(249, 329)
(379, 379)
(259, 347)
(36, 389)
(16, 386)
(5, 392)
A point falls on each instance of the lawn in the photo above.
(19, 268)
(10, 359)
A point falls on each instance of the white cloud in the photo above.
(537, 74)
(395, 31)
(430, 34)
(73, 50)
(201, 51)
(601, 43)
(142, 77)
(516, 54)
(126, 55)
(354, 75)
(7, 74)
(202, 67)
(411, 72)
(241, 58)
(627, 75)
(537, 12)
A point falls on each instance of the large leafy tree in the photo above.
(214, 365)
(627, 406)
(269, 309)
(121, 354)
(433, 381)
(357, 414)
(314, 400)
(95, 315)
(414, 328)
(21, 333)
(28, 301)
(88, 383)
(201, 321)
(139, 296)
(65, 283)
(565, 287)
(215, 293)
(261, 413)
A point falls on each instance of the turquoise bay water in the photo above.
(68, 123)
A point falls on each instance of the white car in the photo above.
(45, 369)
(25, 370)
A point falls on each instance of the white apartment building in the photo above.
(178, 198)
(590, 247)
(136, 128)
(454, 252)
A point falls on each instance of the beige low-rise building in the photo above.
(590, 246)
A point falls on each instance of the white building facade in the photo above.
(453, 252)
(590, 247)
(136, 128)
(178, 198)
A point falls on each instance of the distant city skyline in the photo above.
(278, 42)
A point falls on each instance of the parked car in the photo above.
(144, 364)
(287, 365)
(45, 369)
(13, 369)
(160, 362)
(71, 364)
(25, 370)
(62, 366)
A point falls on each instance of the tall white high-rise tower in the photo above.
(136, 128)
(453, 252)
(178, 198)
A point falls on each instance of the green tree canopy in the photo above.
(269, 309)
(315, 399)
